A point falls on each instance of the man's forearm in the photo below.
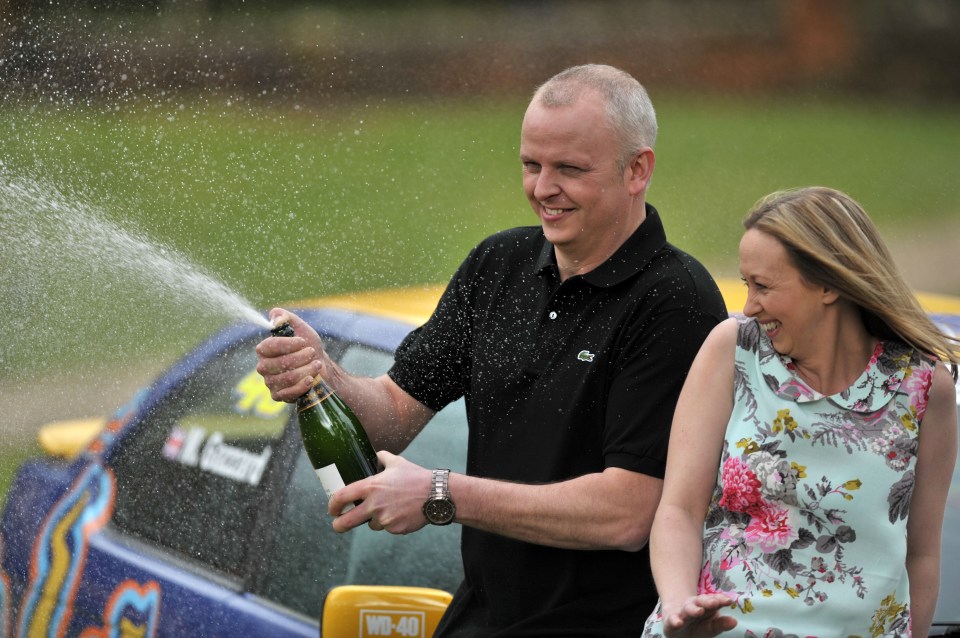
(608, 510)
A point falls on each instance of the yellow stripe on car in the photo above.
(735, 295)
(412, 305)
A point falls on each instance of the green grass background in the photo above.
(284, 201)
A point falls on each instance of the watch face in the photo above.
(439, 511)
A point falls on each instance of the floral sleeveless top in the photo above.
(806, 529)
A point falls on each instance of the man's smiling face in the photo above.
(573, 178)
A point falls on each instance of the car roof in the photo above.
(412, 304)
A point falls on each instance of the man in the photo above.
(570, 341)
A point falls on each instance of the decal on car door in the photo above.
(253, 397)
(131, 612)
(60, 552)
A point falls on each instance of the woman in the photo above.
(813, 443)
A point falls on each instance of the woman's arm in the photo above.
(696, 442)
(935, 460)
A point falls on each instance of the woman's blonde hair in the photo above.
(832, 241)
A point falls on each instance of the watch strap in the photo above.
(440, 485)
(439, 508)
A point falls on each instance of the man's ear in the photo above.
(640, 170)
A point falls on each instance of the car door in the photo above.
(172, 550)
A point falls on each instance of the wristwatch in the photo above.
(439, 508)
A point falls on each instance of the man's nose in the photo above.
(546, 186)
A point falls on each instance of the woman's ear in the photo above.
(829, 296)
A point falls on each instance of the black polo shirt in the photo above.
(560, 379)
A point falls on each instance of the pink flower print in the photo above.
(913, 384)
(795, 389)
(705, 584)
(770, 528)
(877, 351)
(895, 446)
(741, 488)
(729, 562)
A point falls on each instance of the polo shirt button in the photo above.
(553, 314)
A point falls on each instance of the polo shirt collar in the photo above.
(630, 258)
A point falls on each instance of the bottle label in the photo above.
(319, 393)
(331, 481)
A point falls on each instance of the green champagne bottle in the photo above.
(335, 441)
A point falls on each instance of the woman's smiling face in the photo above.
(788, 308)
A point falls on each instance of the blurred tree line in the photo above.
(326, 49)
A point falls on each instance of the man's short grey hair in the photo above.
(629, 110)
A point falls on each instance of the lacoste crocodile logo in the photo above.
(585, 355)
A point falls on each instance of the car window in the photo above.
(307, 558)
(191, 475)
(429, 557)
